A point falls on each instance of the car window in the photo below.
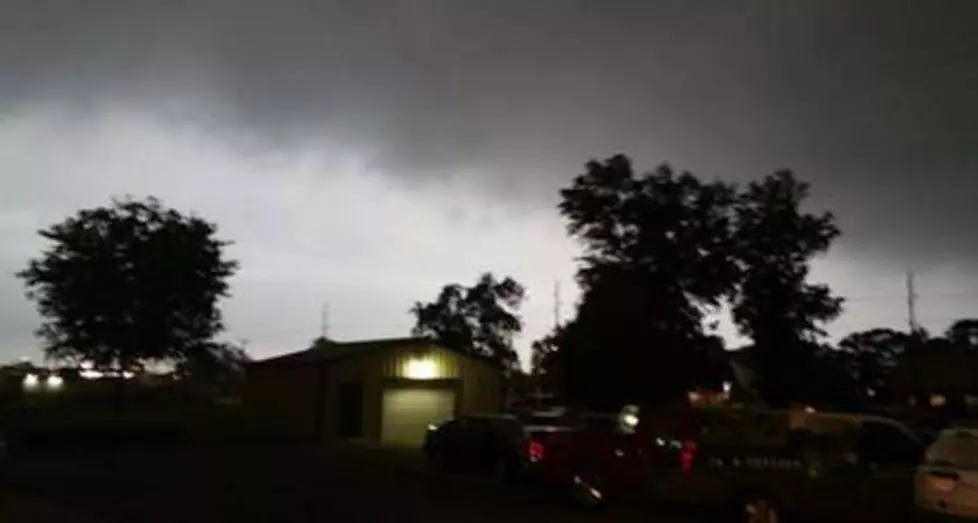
(887, 443)
(601, 423)
(954, 449)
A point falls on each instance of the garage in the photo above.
(384, 391)
(407, 412)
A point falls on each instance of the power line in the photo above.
(928, 296)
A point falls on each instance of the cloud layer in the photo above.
(405, 143)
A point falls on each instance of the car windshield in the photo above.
(546, 421)
(601, 423)
(957, 449)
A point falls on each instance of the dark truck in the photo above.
(776, 465)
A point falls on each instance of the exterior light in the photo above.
(727, 386)
(938, 400)
(31, 381)
(90, 374)
(421, 369)
(628, 418)
(54, 382)
(810, 410)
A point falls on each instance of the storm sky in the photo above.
(365, 153)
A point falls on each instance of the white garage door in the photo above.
(407, 413)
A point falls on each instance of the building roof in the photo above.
(324, 350)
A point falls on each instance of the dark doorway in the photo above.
(350, 423)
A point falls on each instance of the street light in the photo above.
(31, 381)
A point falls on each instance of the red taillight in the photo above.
(535, 451)
(687, 454)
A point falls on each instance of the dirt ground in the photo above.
(283, 485)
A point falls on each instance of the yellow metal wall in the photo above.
(289, 392)
(478, 382)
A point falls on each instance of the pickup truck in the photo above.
(775, 465)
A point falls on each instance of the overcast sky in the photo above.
(365, 153)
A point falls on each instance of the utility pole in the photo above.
(324, 322)
(911, 304)
(556, 304)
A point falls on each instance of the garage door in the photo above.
(407, 413)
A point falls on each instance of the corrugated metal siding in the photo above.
(288, 393)
(363, 370)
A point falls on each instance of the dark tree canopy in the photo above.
(543, 353)
(775, 305)
(871, 356)
(482, 319)
(656, 261)
(128, 284)
(216, 363)
(963, 334)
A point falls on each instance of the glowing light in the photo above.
(421, 369)
(535, 451)
(31, 381)
(628, 419)
(127, 375)
(90, 374)
(727, 386)
(54, 382)
(810, 410)
(938, 400)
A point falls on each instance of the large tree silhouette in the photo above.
(482, 319)
(871, 357)
(963, 334)
(656, 260)
(129, 284)
(775, 305)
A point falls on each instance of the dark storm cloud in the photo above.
(871, 101)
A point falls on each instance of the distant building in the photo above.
(386, 391)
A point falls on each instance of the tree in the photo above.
(963, 334)
(218, 363)
(482, 319)
(774, 304)
(129, 284)
(545, 361)
(656, 260)
(871, 356)
(543, 354)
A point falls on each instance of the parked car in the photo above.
(596, 458)
(484, 443)
(947, 480)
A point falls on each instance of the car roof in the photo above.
(493, 417)
(959, 431)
